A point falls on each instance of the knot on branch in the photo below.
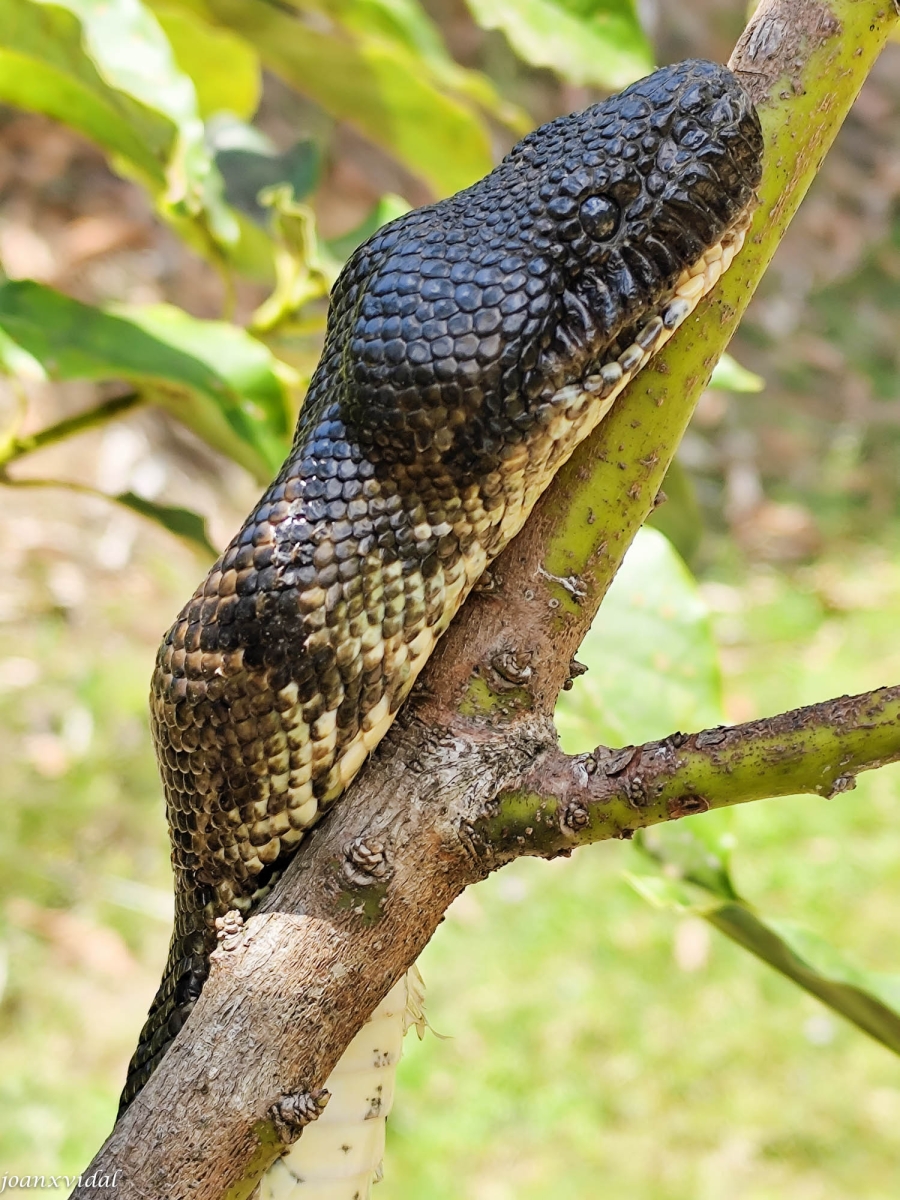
(230, 930)
(711, 737)
(513, 670)
(488, 583)
(614, 762)
(686, 806)
(294, 1111)
(635, 791)
(365, 862)
(473, 842)
(843, 783)
(576, 670)
(575, 816)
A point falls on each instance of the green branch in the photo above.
(18, 447)
(571, 801)
(803, 88)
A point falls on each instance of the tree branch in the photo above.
(572, 800)
(17, 447)
(280, 1007)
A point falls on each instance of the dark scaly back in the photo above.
(457, 374)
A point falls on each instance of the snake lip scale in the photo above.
(471, 345)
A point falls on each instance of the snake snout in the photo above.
(708, 163)
(665, 172)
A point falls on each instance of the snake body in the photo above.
(470, 346)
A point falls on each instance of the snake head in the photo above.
(454, 327)
(633, 192)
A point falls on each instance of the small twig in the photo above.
(18, 447)
(193, 535)
(19, 416)
(70, 485)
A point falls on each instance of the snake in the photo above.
(470, 346)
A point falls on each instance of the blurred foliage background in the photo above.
(172, 170)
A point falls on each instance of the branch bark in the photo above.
(572, 800)
(475, 745)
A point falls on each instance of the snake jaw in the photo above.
(651, 334)
(573, 411)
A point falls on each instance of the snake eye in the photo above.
(599, 217)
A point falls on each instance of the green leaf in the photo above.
(651, 656)
(405, 23)
(17, 362)
(213, 377)
(597, 43)
(247, 171)
(695, 851)
(131, 52)
(401, 21)
(730, 376)
(45, 67)
(187, 525)
(870, 1000)
(373, 82)
(224, 68)
(304, 269)
(251, 374)
(107, 70)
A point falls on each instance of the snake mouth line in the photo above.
(651, 334)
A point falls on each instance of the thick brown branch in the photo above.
(568, 801)
(281, 1005)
